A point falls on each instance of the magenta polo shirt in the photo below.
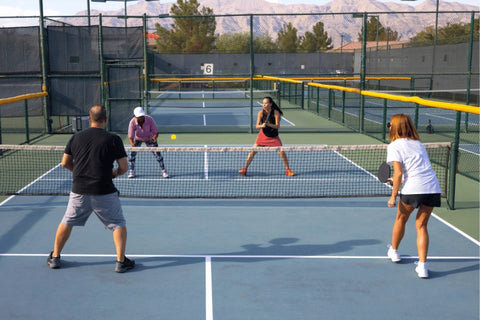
(143, 133)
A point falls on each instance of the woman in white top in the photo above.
(420, 188)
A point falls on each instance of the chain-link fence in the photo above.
(81, 61)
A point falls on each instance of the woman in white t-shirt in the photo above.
(420, 187)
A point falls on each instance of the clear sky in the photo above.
(70, 7)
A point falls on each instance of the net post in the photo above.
(294, 93)
(330, 102)
(452, 168)
(27, 129)
(309, 90)
(213, 88)
(303, 95)
(454, 164)
(384, 119)
(277, 90)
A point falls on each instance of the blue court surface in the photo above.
(207, 108)
(234, 259)
(205, 116)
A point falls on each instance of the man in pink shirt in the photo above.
(142, 129)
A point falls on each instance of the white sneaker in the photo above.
(421, 270)
(393, 254)
(131, 173)
(165, 173)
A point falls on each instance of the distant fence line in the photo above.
(80, 65)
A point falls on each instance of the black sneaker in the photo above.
(126, 265)
(53, 262)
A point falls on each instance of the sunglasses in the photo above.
(388, 125)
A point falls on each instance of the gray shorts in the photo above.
(106, 206)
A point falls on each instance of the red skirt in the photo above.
(264, 141)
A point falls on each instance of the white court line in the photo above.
(456, 229)
(289, 122)
(239, 179)
(204, 120)
(34, 181)
(208, 265)
(440, 117)
(43, 175)
(208, 289)
(220, 256)
(6, 200)
(469, 151)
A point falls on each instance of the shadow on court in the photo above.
(281, 247)
(234, 259)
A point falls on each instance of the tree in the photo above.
(451, 33)
(188, 34)
(375, 28)
(316, 41)
(287, 40)
(264, 44)
(234, 43)
(240, 43)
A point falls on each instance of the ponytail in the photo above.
(274, 105)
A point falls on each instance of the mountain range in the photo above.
(271, 16)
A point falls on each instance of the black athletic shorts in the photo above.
(415, 200)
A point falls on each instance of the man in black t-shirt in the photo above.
(90, 155)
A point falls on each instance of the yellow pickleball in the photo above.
(173, 137)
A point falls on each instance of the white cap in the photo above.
(138, 112)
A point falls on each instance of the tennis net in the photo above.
(208, 93)
(212, 171)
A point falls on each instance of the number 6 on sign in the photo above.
(208, 68)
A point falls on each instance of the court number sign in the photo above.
(208, 68)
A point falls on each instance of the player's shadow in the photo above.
(432, 274)
(11, 237)
(284, 248)
(70, 263)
